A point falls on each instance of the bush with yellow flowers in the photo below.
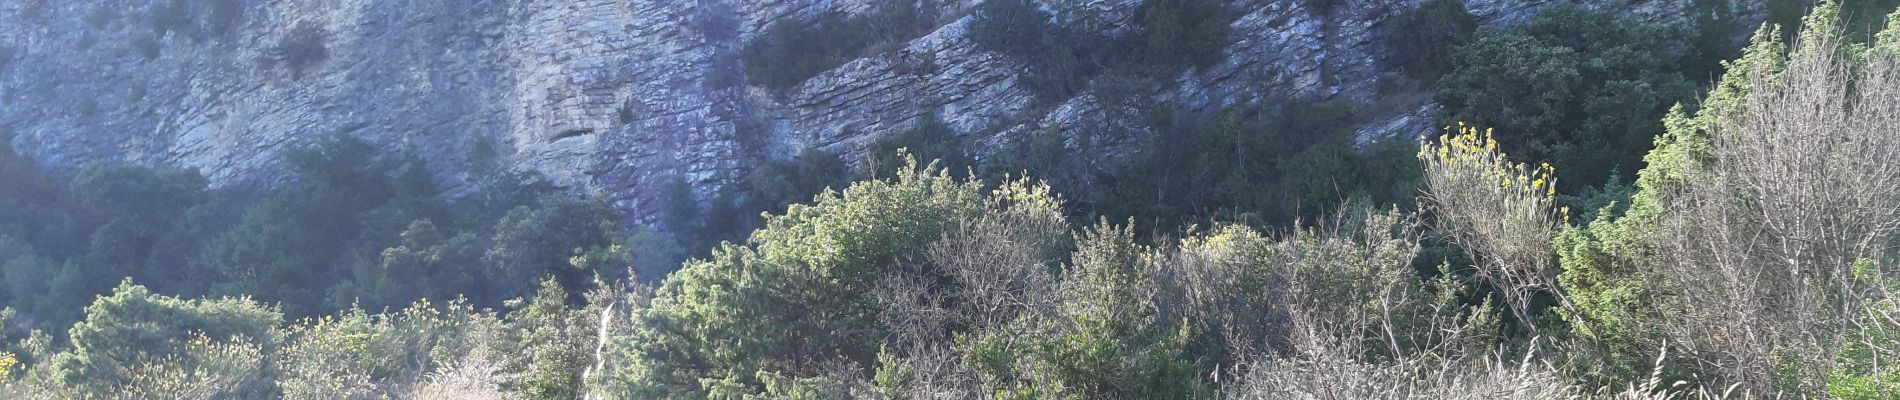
(1503, 213)
(7, 362)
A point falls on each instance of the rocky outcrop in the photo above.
(595, 95)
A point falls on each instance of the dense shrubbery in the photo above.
(1177, 34)
(791, 51)
(1733, 201)
(1062, 60)
(950, 292)
(1861, 18)
(929, 139)
(1421, 42)
(1584, 90)
(1752, 257)
(1295, 161)
(780, 184)
(353, 228)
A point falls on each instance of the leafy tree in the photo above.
(145, 223)
(1421, 42)
(531, 242)
(33, 204)
(413, 195)
(42, 287)
(1526, 88)
(556, 343)
(1063, 55)
(769, 189)
(271, 256)
(797, 296)
(143, 196)
(651, 254)
(1581, 89)
(1861, 19)
(429, 264)
(339, 175)
(290, 247)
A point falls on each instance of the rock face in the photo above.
(595, 95)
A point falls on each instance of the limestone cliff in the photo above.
(596, 95)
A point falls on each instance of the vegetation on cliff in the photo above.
(1752, 255)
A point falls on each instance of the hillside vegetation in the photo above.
(1753, 252)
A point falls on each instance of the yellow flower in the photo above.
(6, 366)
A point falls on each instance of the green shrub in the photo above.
(544, 239)
(1718, 221)
(1062, 59)
(360, 355)
(824, 257)
(1251, 167)
(427, 264)
(781, 183)
(1582, 89)
(555, 343)
(1862, 18)
(1178, 34)
(928, 140)
(1042, 155)
(136, 340)
(1421, 42)
(679, 209)
(790, 51)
